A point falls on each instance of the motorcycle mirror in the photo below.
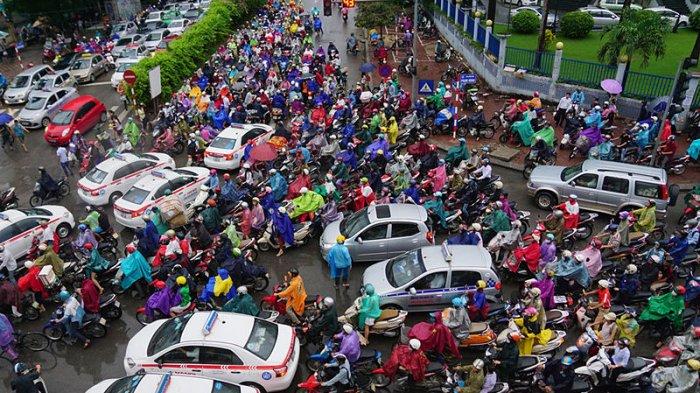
(412, 290)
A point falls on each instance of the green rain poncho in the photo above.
(375, 123)
(97, 263)
(306, 203)
(131, 130)
(233, 236)
(547, 135)
(438, 208)
(668, 305)
(497, 221)
(456, 154)
(401, 181)
(370, 306)
(340, 171)
(50, 258)
(524, 129)
(646, 219)
(161, 225)
(243, 305)
(92, 220)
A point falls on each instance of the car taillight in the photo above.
(228, 156)
(138, 213)
(430, 237)
(95, 193)
(664, 192)
(280, 372)
(498, 286)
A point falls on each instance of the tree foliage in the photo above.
(195, 47)
(576, 24)
(640, 33)
(377, 14)
(526, 22)
(695, 20)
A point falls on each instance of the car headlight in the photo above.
(130, 362)
(65, 132)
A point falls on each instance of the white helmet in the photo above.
(631, 269)
(478, 364)
(303, 190)
(242, 290)
(347, 328)
(414, 343)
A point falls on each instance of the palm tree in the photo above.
(639, 34)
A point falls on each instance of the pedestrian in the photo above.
(141, 114)
(340, 262)
(20, 133)
(62, 154)
(565, 104)
(7, 261)
(7, 138)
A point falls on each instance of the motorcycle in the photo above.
(360, 382)
(676, 379)
(443, 56)
(39, 196)
(597, 368)
(8, 199)
(303, 232)
(435, 377)
(551, 346)
(388, 324)
(177, 148)
(406, 67)
(94, 326)
(369, 358)
(533, 159)
(526, 369)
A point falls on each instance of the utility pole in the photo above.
(491, 11)
(414, 76)
(543, 28)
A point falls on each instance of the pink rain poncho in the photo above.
(439, 177)
(593, 259)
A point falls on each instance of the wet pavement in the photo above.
(72, 369)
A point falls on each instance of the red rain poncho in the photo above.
(91, 296)
(297, 184)
(30, 282)
(415, 362)
(531, 255)
(435, 336)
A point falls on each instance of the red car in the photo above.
(80, 114)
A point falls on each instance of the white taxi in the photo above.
(111, 178)
(228, 347)
(18, 227)
(226, 150)
(166, 383)
(149, 190)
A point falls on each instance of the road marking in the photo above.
(97, 84)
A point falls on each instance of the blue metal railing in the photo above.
(647, 86)
(528, 59)
(585, 73)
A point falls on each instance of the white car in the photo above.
(537, 10)
(149, 190)
(228, 347)
(601, 16)
(226, 150)
(19, 226)
(616, 5)
(521, 3)
(124, 28)
(127, 40)
(122, 65)
(155, 37)
(671, 16)
(113, 177)
(178, 26)
(44, 105)
(154, 16)
(50, 82)
(149, 383)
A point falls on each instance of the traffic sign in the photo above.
(130, 77)
(426, 86)
(467, 79)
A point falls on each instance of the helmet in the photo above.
(481, 284)
(498, 184)
(656, 258)
(181, 280)
(458, 301)
(573, 196)
(294, 272)
(63, 295)
(558, 214)
(680, 290)
(347, 328)
(130, 248)
(536, 292)
(242, 290)
(414, 343)
(515, 336)
(88, 246)
(631, 269)
(328, 301)
(226, 176)
(82, 227)
(624, 215)
(211, 202)
(604, 283)
(694, 364)
(530, 311)
(369, 289)
(43, 247)
(478, 364)
(170, 233)
(624, 341)
(213, 171)
(567, 361)
(340, 239)
(610, 316)
(566, 254)
(21, 368)
(476, 226)
(303, 190)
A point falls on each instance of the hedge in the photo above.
(525, 22)
(194, 47)
(576, 24)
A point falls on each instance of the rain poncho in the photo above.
(338, 258)
(497, 221)
(92, 220)
(530, 254)
(135, 267)
(370, 308)
(379, 144)
(414, 362)
(162, 301)
(570, 269)
(295, 293)
(282, 225)
(548, 252)
(547, 135)
(679, 379)
(131, 131)
(96, 264)
(435, 336)
(628, 328)
(50, 258)
(646, 219)
(531, 334)
(438, 208)
(6, 331)
(458, 153)
(546, 286)
(242, 304)
(161, 225)
(593, 261)
(694, 149)
(306, 203)
(349, 345)
(524, 129)
(668, 305)
(593, 135)
(279, 186)
(439, 177)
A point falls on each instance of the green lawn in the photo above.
(678, 47)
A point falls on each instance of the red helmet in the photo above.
(680, 290)
(87, 246)
(130, 248)
(696, 331)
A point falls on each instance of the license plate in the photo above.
(24, 123)
(103, 321)
(124, 214)
(117, 304)
(217, 159)
(559, 299)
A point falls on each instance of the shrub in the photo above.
(193, 48)
(526, 22)
(695, 20)
(549, 39)
(576, 24)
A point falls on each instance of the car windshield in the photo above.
(62, 118)
(124, 66)
(262, 338)
(96, 175)
(153, 37)
(44, 82)
(36, 103)
(81, 65)
(123, 42)
(568, 173)
(175, 24)
(130, 52)
(20, 81)
(168, 334)
(136, 195)
(223, 143)
(350, 226)
(125, 385)
(404, 268)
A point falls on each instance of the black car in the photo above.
(66, 61)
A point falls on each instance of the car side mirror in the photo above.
(412, 290)
(572, 184)
(160, 364)
(359, 240)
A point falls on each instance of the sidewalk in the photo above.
(10, 67)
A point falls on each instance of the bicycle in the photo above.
(33, 341)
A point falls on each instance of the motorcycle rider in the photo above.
(603, 304)
(23, 382)
(440, 50)
(72, 318)
(507, 357)
(342, 380)
(476, 120)
(47, 185)
(478, 306)
(619, 359)
(570, 208)
(295, 294)
(184, 289)
(558, 376)
(369, 311)
(349, 343)
(327, 324)
(629, 284)
(242, 303)
(458, 318)
(646, 217)
(409, 358)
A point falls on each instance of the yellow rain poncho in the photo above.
(531, 334)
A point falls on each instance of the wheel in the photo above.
(680, 170)
(34, 201)
(682, 25)
(312, 365)
(527, 171)
(108, 254)
(380, 380)
(114, 197)
(63, 230)
(64, 190)
(588, 231)
(255, 386)
(45, 122)
(117, 289)
(142, 318)
(264, 246)
(53, 332)
(568, 244)
(103, 117)
(503, 138)
(488, 132)
(264, 306)
(261, 284)
(112, 313)
(35, 341)
(523, 227)
(30, 313)
(95, 330)
(544, 200)
(179, 147)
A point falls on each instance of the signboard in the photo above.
(130, 77)
(20, 45)
(154, 81)
(467, 79)
(426, 86)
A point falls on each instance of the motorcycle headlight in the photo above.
(665, 359)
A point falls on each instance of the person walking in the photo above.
(62, 154)
(7, 138)
(564, 105)
(20, 133)
(7, 261)
(340, 262)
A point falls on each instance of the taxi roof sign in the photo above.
(164, 383)
(160, 174)
(446, 253)
(209, 324)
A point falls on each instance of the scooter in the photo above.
(677, 379)
(360, 382)
(39, 197)
(94, 326)
(435, 377)
(39, 383)
(369, 358)
(110, 308)
(8, 199)
(597, 369)
(551, 346)
(526, 369)
(388, 324)
(303, 232)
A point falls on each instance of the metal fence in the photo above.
(460, 16)
(494, 45)
(452, 9)
(647, 86)
(470, 25)
(585, 73)
(528, 59)
(481, 34)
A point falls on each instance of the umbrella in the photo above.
(367, 68)
(611, 86)
(263, 152)
(5, 118)
(384, 70)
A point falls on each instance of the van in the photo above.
(18, 90)
(602, 186)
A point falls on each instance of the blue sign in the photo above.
(266, 376)
(467, 79)
(20, 45)
(426, 86)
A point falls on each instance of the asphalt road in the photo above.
(72, 369)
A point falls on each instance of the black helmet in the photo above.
(21, 368)
(624, 341)
(294, 272)
(41, 169)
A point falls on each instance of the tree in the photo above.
(377, 14)
(640, 34)
(48, 8)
